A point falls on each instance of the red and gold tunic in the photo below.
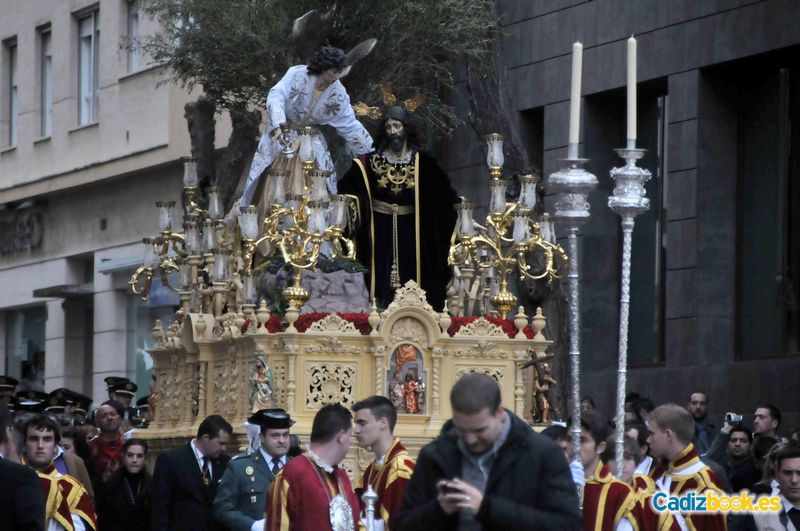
(64, 497)
(684, 474)
(300, 495)
(388, 481)
(606, 501)
(106, 456)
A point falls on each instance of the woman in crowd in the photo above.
(123, 503)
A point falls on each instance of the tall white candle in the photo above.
(631, 89)
(575, 94)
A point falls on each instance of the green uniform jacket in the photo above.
(242, 492)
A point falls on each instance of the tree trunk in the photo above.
(228, 170)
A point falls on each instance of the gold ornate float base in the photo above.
(205, 367)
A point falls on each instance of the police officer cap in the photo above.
(7, 382)
(127, 388)
(274, 419)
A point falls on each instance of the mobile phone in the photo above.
(447, 489)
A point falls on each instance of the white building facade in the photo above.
(88, 142)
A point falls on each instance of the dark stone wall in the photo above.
(694, 57)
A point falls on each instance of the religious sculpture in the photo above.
(262, 396)
(541, 384)
(410, 394)
(406, 207)
(307, 96)
(396, 392)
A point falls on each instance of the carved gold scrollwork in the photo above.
(330, 383)
(408, 329)
(334, 324)
(481, 327)
(495, 372)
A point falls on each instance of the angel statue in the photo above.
(262, 396)
(307, 96)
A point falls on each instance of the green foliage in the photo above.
(237, 49)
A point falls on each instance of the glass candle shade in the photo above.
(319, 191)
(165, 215)
(220, 272)
(497, 203)
(248, 222)
(278, 195)
(192, 235)
(214, 203)
(186, 274)
(467, 227)
(209, 235)
(494, 150)
(249, 289)
(150, 257)
(339, 214)
(521, 231)
(527, 192)
(189, 172)
(306, 152)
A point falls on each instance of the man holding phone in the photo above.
(488, 470)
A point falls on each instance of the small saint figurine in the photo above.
(262, 396)
(396, 392)
(544, 379)
(410, 398)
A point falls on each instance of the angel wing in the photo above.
(359, 51)
(310, 30)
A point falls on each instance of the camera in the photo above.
(733, 418)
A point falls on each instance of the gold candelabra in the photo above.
(510, 239)
(299, 227)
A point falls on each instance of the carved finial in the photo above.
(292, 314)
(445, 319)
(520, 321)
(374, 319)
(539, 323)
(262, 315)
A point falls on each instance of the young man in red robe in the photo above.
(388, 473)
(312, 493)
(67, 504)
(608, 503)
(671, 430)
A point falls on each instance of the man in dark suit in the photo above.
(488, 470)
(186, 479)
(21, 496)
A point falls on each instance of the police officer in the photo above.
(242, 493)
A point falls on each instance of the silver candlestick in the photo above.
(628, 200)
(370, 497)
(572, 183)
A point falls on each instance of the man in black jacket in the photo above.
(21, 496)
(488, 470)
(186, 478)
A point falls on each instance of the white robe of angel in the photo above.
(290, 101)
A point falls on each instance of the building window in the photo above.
(25, 333)
(12, 93)
(89, 36)
(46, 96)
(769, 214)
(134, 54)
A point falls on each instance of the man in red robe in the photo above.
(67, 504)
(311, 493)
(107, 448)
(608, 504)
(671, 430)
(388, 473)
